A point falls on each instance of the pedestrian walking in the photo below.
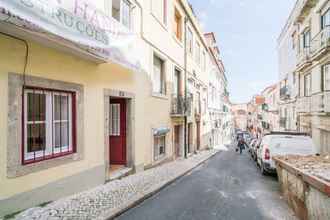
(241, 145)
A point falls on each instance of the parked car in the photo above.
(254, 149)
(251, 143)
(282, 143)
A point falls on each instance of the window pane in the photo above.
(115, 120)
(159, 146)
(125, 13)
(162, 146)
(36, 107)
(116, 10)
(61, 134)
(36, 137)
(61, 107)
(157, 79)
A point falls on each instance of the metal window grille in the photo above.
(48, 124)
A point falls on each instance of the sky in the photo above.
(246, 32)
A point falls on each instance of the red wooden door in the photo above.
(117, 131)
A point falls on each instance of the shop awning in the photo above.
(161, 131)
(75, 25)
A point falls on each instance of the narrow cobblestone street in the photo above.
(228, 186)
(106, 201)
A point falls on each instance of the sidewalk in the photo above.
(113, 198)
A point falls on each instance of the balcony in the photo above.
(326, 99)
(317, 104)
(304, 105)
(304, 57)
(321, 42)
(180, 106)
(284, 93)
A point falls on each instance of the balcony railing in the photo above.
(321, 41)
(181, 106)
(304, 105)
(304, 56)
(326, 99)
(317, 104)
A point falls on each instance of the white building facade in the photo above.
(308, 30)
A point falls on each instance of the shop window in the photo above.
(159, 146)
(48, 124)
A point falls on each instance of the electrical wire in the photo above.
(26, 53)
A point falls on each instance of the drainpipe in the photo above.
(185, 89)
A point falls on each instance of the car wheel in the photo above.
(262, 169)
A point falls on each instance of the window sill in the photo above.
(48, 157)
(159, 96)
(36, 166)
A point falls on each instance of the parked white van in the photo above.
(282, 143)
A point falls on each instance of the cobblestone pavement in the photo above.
(104, 201)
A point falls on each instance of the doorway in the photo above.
(198, 133)
(190, 137)
(177, 140)
(118, 131)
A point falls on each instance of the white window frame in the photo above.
(122, 3)
(114, 121)
(162, 76)
(50, 148)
